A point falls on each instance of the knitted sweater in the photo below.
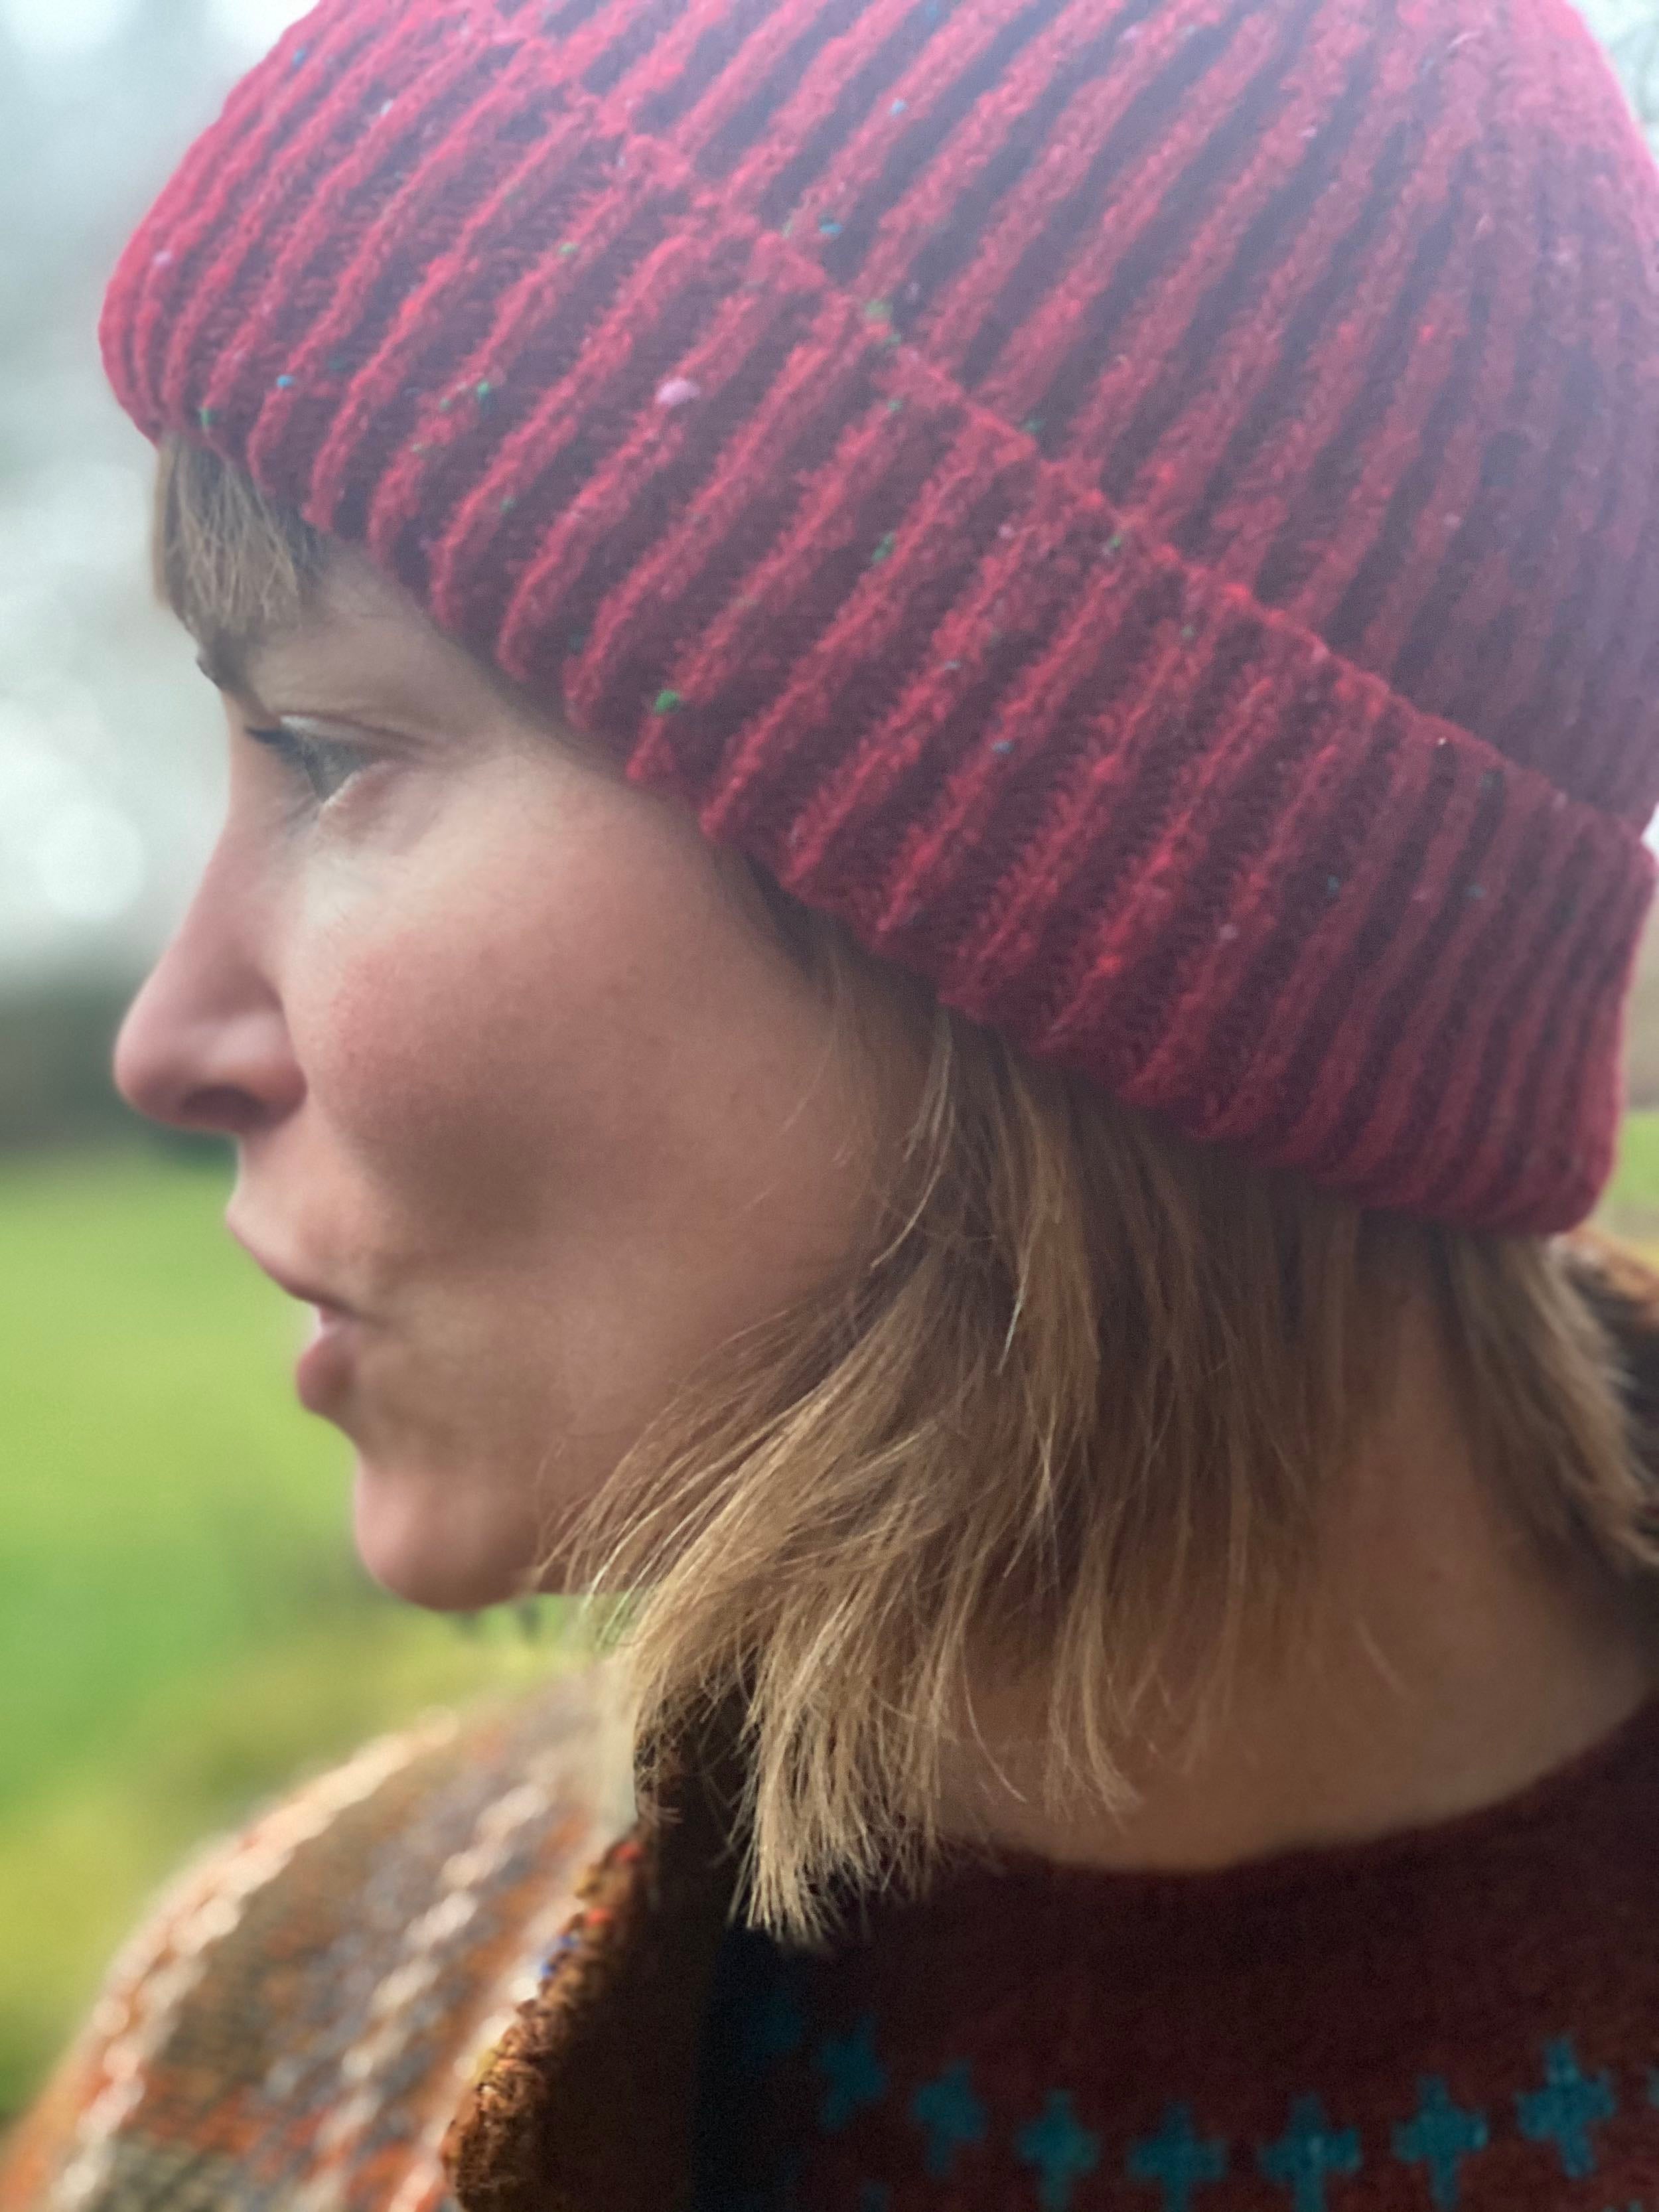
(413, 1983)
(1465, 2015)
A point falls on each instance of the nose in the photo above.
(204, 1046)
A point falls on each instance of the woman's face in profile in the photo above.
(517, 1079)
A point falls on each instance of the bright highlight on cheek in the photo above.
(468, 1008)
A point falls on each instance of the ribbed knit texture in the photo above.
(1149, 512)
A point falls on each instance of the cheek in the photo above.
(556, 1025)
(428, 1053)
(577, 1122)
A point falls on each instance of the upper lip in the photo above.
(296, 1285)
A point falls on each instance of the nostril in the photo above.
(222, 1109)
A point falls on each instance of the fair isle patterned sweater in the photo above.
(458, 1970)
(295, 2022)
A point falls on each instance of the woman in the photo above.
(939, 722)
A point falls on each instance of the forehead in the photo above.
(348, 608)
(359, 644)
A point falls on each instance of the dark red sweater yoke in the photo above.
(1466, 2015)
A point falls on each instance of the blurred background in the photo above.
(184, 1626)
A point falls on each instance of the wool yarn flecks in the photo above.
(1149, 512)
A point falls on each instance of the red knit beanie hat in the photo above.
(1146, 509)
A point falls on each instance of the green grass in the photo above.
(1631, 1204)
(184, 1626)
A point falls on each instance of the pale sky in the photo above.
(65, 30)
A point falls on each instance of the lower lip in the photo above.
(324, 1368)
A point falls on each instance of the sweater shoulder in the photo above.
(297, 2016)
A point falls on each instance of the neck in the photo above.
(1442, 1663)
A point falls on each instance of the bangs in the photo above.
(233, 566)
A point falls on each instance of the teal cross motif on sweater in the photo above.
(855, 2074)
(1176, 2159)
(1060, 2149)
(952, 2115)
(1307, 2152)
(1566, 2108)
(1441, 2136)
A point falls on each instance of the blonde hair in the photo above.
(1076, 1405)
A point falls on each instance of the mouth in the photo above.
(323, 1373)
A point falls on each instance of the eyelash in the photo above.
(307, 758)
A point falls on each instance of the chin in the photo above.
(414, 1544)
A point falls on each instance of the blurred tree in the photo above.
(55, 1085)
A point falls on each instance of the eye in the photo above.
(325, 765)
